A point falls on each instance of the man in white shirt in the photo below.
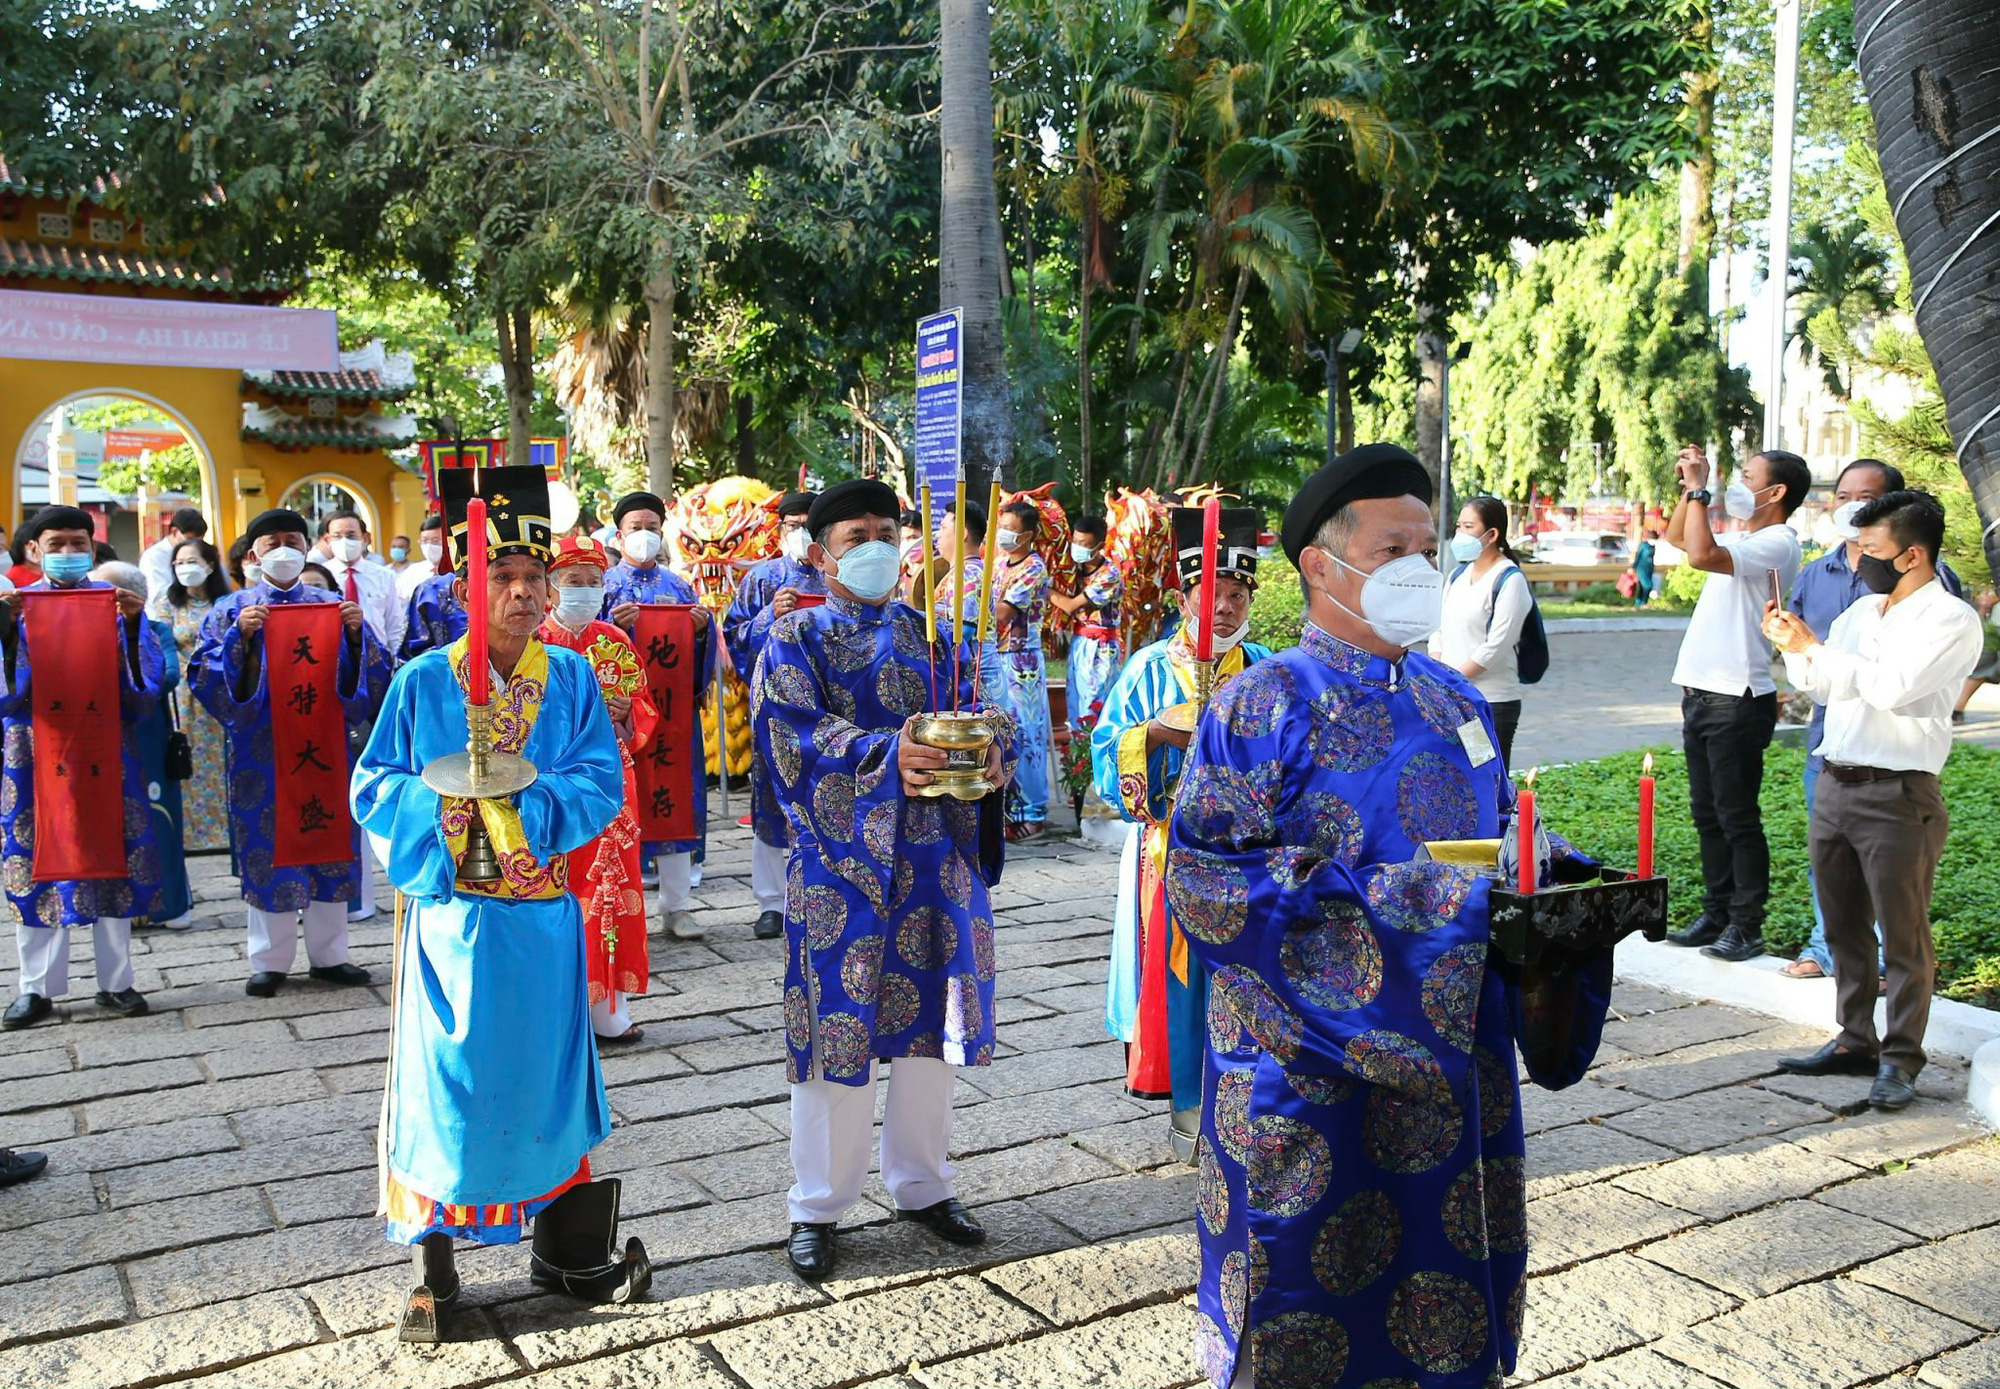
(430, 547)
(156, 561)
(1887, 674)
(371, 585)
(1729, 702)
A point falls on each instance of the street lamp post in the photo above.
(1784, 107)
(1336, 348)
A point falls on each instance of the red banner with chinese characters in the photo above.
(308, 735)
(665, 637)
(72, 638)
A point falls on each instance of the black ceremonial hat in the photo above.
(860, 496)
(517, 509)
(279, 520)
(796, 503)
(1360, 474)
(638, 501)
(1235, 543)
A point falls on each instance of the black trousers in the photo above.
(1506, 718)
(1725, 737)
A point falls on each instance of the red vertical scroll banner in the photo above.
(666, 640)
(72, 637)
(308, 735)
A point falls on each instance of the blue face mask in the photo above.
(67, 568)
(399, 553)
(869, 570)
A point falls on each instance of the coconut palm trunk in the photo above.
(969, 265)
(1934, 88)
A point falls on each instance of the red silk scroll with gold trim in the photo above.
(665, 636)
(308, 735)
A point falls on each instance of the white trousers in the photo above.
(274, 937)
(676, 881)
(608, 1017)
(45, 956)
(831, 1124)
(767, 874)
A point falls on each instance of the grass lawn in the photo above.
(1553, 608)
(1595, 806)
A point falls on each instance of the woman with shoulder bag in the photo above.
(184, 606)
(1486, 604)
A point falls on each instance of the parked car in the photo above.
(1581, 547)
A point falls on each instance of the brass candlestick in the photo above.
(479, 773)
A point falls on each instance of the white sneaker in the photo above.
(681, 925)
(363, 911)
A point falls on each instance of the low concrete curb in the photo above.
(1956, 1029)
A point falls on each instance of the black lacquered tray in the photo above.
(1579, 915)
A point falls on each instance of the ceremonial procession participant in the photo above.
(1020, 597)
(1887, 674)
(1097, 587)
(430, 554)
(345, 538)
(888, 928)
(80, 674)
(640, 578)
(495, 1097)
(1361, 1199)
(289, 705)
(1156, 995)
(766, 594)
(156, 561)
(604, 874)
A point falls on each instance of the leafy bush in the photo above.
(1278, 612)
(1683, 585)
(1606, 594)
(1595, 805)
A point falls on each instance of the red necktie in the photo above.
(352, 589)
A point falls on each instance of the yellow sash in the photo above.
(516, 705)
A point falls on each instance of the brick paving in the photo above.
(1696, 1220)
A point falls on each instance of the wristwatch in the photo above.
(1700, 494)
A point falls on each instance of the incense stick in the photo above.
(930, 594)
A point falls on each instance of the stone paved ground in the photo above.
(205, 1220)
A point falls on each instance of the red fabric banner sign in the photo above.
(308, 735)
(666, 641)
(73, 658)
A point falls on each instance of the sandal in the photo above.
(1803, 969)
(630, 1034)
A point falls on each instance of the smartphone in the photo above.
(1777, 594)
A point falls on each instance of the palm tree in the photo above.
(969, 260)
(1935, 93)
(1837, 271)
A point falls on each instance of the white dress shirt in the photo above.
(1888, 677)
(156, 562)
(1724, 651)
(384, 612)
(411, 577)
(1464, 634)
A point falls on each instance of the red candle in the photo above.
(1524, 833)
(1646, 818)
(1211, 526)
(478, 661)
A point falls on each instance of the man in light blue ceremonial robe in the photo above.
(888, 927)
(1156, 994)
(766, 594)
(642, 577)
(495, 1098)
(1361, 1201)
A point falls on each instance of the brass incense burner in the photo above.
(966, 739)
(479, 773)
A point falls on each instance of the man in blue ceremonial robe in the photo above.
(1361, 1200)
(61, 542)
(640, 577)
(766, 594)
(229, 675)
(436, 617)
(888, 928)
(495, 1097)
(1156, 994)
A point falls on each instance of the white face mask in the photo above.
(1082, 554)
(793, 545)
(1402, 602)
(1843, 520)
(253, 572)
(641, 546)
(1224, 642)
(1007, 540)
(579, 603)
(347, 549)
(1739, 503)
(283, 565)
(192, 574)
(433, 551)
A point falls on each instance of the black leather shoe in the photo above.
(1737, 945)
(1830, 1060)
(769, 926)
(1894, 1088)
(811, 1250)
(264, 984)
(348, 976)
(1703, 930)
(25, 1011)
(435, 1289)
(130, 1002)
(948, 1220)
(19, 1167)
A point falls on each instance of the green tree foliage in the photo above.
(1593, 365)
(1839, 279)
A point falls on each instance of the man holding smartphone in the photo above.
(1729, 702)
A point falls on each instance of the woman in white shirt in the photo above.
(1485, 604)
